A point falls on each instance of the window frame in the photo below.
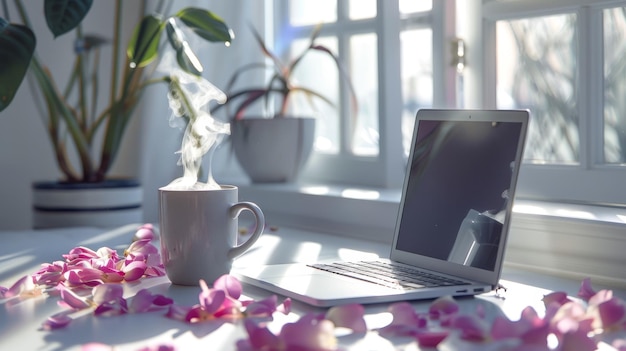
(591, 181)
(385, 170)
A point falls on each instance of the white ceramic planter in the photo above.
(273, 150)
(107, 204)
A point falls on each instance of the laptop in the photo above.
(452, 225)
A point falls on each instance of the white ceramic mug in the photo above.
(199, 232)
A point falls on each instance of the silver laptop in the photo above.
(452, 224)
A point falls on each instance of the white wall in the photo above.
(149, 145)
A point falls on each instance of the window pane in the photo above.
(615, 85)
(364, 75)
(311, 12)
(536, 69)
(417, 77)
(360, 9)
(412, 6)
(317, 71)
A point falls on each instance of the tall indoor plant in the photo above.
(74, 121)
(274, 147)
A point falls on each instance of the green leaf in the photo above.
(206, 24)
(65, 15)
(143, 47)
(186, 58)
(17, 45)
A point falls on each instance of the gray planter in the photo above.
(108, 204)
(273, 150)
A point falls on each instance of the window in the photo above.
(394, 52)
(566, 62)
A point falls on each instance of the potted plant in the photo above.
(275, 148)
(73, 120)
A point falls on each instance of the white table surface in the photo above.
(22, 252)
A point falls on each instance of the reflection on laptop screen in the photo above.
(457, 194)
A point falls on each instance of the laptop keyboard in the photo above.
(388, 274)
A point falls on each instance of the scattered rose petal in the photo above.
(557, 297)
(260, 338)
(431, 338)
(472, 328)
(134, 271)
(70, 299)
(586, 290)
(443, 306)
(348, 316)
(230, 285)
(405, 322)
(146, 231)
(22, 286)
(57, 321)
(309, 333)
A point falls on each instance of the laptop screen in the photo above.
(456, 196)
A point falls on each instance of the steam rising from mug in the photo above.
(203, 133)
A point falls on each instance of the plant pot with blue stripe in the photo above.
(107, 204)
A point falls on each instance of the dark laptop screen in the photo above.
(457, 192)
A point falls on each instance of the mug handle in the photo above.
(234, 211)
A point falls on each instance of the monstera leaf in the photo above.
(64, 15)
(17, 44)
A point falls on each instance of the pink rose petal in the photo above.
(22, 286)
(260, 338)
(472, 328)
(57, 321)
(134, 271)
(70, 299)
(230, 285)
(211, 300)
(146, 231)
(586, 291)
(348, 316)
(431, 338)
(557, 297)
(94, 346)
(263, 307)
(443, 306)
(107, 293)
(309, 333)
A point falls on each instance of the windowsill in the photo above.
(571, 240)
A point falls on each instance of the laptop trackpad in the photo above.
(327, 285)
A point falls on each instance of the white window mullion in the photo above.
(390, 93)
(592, 50)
